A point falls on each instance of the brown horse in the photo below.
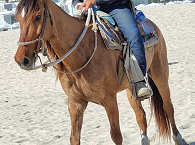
(98, 81)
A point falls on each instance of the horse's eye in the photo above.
(38, 17)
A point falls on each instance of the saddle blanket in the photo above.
(113, 37)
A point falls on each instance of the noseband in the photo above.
(45, 65)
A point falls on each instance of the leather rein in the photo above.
(44, 50)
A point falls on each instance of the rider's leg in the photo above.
(126, 23)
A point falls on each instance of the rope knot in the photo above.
(44, 68)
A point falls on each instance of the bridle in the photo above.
(44, 51)
(40, 38)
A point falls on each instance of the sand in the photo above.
(33, 109)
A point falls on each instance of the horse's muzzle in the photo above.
(26, 63)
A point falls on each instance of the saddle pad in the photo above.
(102, 14)
(113, 37)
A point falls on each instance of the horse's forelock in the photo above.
(26, 6)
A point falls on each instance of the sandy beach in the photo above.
(33, 108)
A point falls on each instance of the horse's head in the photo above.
(33, 17)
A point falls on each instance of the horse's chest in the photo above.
(88, 88)
(91, 92)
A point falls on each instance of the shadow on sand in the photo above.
(192, 143)
(171, 63)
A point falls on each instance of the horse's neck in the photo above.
(67, 30)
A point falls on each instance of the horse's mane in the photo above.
(31, 5)
(27, 5)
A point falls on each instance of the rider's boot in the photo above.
(142, 88)
(143, 91)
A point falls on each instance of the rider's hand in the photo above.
(87, 4)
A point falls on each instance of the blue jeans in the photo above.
(127, 24)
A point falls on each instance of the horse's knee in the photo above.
(140, 114)
(168, 107)
(116, 136)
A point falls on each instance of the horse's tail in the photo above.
(160, 114)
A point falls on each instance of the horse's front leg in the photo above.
(140, 117)
(76, 110)
(111, 108)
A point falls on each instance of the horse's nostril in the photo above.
(26, 61)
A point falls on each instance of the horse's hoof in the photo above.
(179, 140)
(144, 140)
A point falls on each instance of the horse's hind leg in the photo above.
(159, 72)
(162, 85)
(140, 117)
(76, 110)
(111, 108)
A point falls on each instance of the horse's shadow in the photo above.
(192, 143)
(171, 63)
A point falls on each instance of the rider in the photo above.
(124, 17)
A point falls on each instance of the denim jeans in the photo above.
(127, 24)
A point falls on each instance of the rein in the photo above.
(45, 65)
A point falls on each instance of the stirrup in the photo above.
(147, 85)
(143, 91)
(142, 98)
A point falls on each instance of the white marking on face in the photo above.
(23, 13)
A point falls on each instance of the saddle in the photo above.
(113, 37)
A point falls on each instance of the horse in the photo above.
(98, 82)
